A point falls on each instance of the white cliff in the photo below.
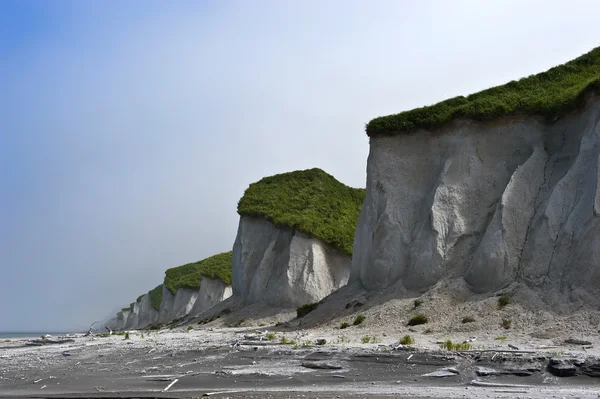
(192, 301)
(212, 291)
(283, 268)
(185, 302)
(516, 200)
(142, 315)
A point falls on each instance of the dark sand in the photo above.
(116, 368)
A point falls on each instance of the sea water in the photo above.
(29, 334)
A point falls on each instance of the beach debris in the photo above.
(48, 340)
(99, 388)
(577, 342)
(442, 373)
(486, 371)
(163, 378)
(36, 381)
(564, 367)
(90, 331)
(151, 350)
(170, 385)
(592, 367)
(513, 347)
(321, 365)
(522, 371)
(321, 341)
(43, 386)
(219, 393)
(478, 383)
(66, 353)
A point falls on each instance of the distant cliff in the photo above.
(187, 289)
(294, 240)
(496, 188)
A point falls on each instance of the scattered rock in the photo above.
(442, 373)
(562, 367)
(520, 372)
(321, 341)
(486, 371)
(321, 365)
(591, 368)
(577, 342)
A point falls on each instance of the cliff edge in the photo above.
(496, 188)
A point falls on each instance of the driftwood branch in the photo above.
(90, 332)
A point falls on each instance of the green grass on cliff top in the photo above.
(156, 296)
(310, 201)
(548, 94)
(189, 276)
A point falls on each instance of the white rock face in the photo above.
(494, 203)
(284, 268)
(212, 291)
(178, 305)
(143, 314)
(120, 322)
(186, 301)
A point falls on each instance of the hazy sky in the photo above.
(129, 130)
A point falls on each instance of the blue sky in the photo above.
(129, 130)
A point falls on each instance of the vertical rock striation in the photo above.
(283, 268)
(515, 200)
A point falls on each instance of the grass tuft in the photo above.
(468, 319)
(506, 323)
(418, 319)
(310, 201)
(407, 340)
(271, 336)
(456, 346)
(418, 302)
(547, 94)
(344, 325)
(367, 339)
(503, 300)
(359, 319)
(285, 341)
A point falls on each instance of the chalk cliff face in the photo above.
(212, 291)
(121, 320)
(517, 200)
(191, 301)
(144, 313)
(185, 302)
(279, 267)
